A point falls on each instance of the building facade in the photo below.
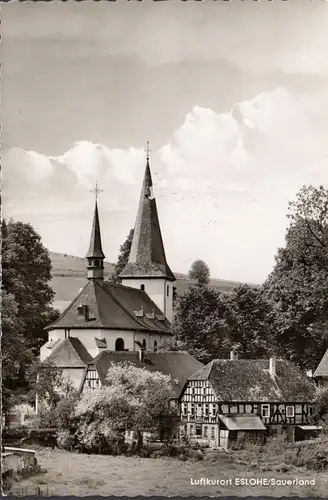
(229, 400)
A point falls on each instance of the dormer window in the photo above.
(80, 310)
(142, 287)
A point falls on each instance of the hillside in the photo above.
(69, 276)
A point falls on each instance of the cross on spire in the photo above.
(96, 191)
(147, 151)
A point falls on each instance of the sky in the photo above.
(233, 97)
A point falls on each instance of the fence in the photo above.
(38, 490)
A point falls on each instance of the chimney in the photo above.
(233, 355)
(272, 367)
(141, 355)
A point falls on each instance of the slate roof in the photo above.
(95, 248)
(243, 423)
(179, 365)
(70, 353)
(147, 256)
(112, 306)
(322, 369)
(250, 380)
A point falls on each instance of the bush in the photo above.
(66, 440)
(11, 433)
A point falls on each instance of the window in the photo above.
(213, 433)
(167, 290)
(119, 344)
(96, 263)
(142, 287)
(155, 345)
(204, 390)
(265, 410)
(192, 409)
(290, 411)
(184, 409)
(193, 390)
(311, 410)
(206, 410)
(198, 430)
(205, 432)
(191, 429)
(144, 343)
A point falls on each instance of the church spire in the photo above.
(95, 255)
(147, 256)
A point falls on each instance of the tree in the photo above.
(249, 324)
(133, 398)
(200, 322)
(15, 350)
(26, 273)
(122, 258)
(200, 271)
(298, 285)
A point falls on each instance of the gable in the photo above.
(322, 369)
(70, 353)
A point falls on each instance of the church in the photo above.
(109, 323)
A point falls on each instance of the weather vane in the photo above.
(96, 191)
(147, 151)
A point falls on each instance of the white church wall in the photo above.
(88, 336)
(159, 290)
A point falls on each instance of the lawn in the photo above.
(76, 474)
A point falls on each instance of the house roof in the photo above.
(243, 423)
(95, 248)
(179, 365)
(113, 306)
(250, 380)
(70, 353)
(322, 369)
(147, 256)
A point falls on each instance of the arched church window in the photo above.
(155, 345)
(144, 343)
(119, 344)
(167, 290)
(142, 287)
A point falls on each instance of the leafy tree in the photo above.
(134, 398)
(200, 271)
(15, 350)
(47, 384)
(122, 258)
(26, 273)
(200, 322)
(321, 403)
(298, 285)
(249, 325)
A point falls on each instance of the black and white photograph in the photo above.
(164, 248)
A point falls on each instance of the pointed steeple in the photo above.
(95, 255)
(147, 257)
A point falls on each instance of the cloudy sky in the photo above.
(233, 97)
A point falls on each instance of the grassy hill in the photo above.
(69, 276)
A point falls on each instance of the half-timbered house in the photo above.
(233, 399)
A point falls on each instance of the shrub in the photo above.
(11, 433)
(66, 440)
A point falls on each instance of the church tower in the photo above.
(95, 256)
(147, 268)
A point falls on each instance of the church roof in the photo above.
(179, 365)
(147, 256)
(95, 248)
(250, 380)
(112, 306)
(322, 369)
(70, 353)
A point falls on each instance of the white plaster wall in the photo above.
(156, 289)
(87, 337)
